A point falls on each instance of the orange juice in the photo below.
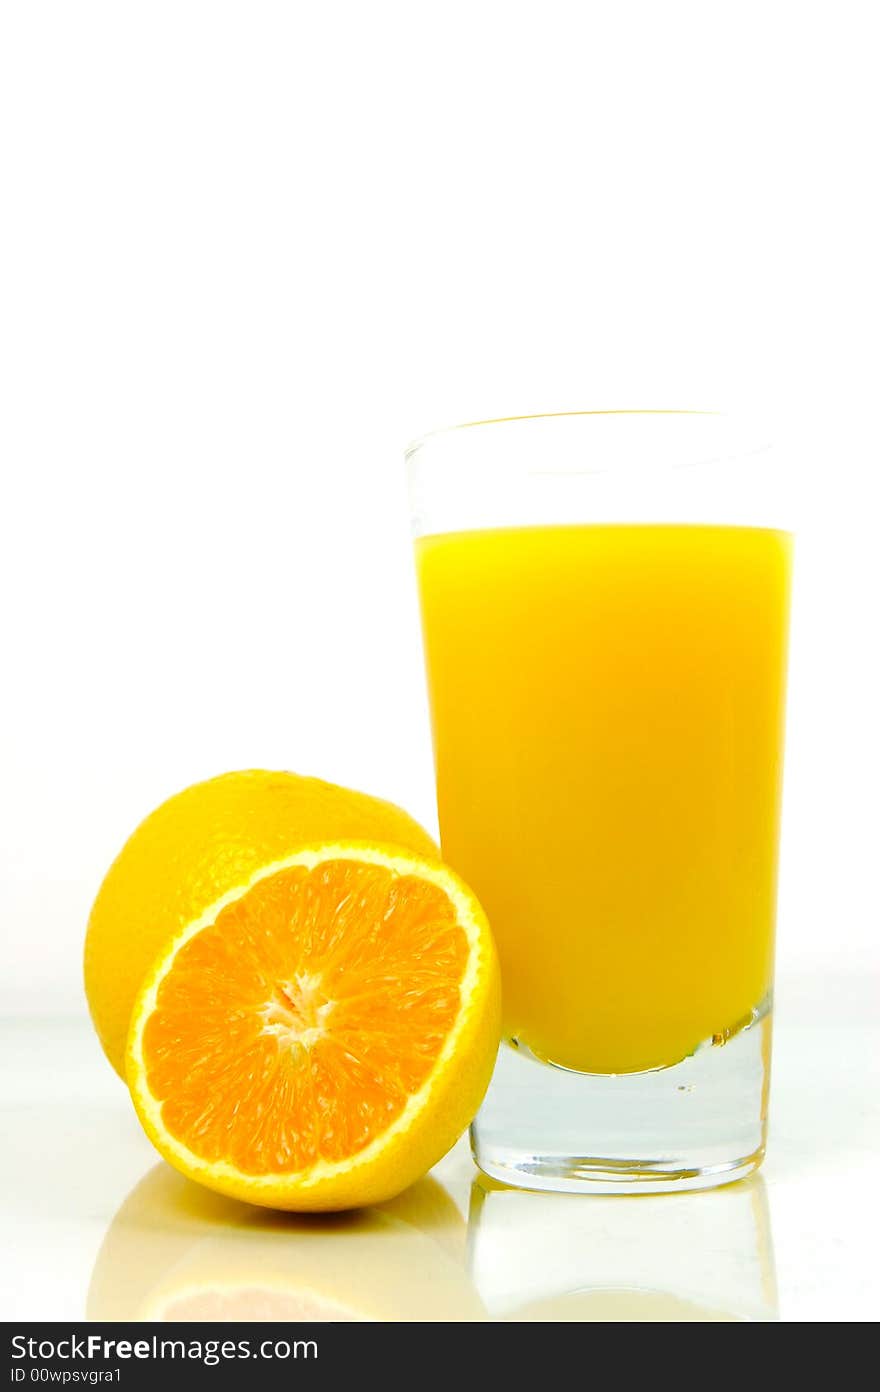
(607, 708)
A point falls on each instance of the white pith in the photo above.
(297, 1017)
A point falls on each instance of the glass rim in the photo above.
(449, 430)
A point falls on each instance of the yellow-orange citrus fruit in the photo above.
(196, 847)
(321, 1035)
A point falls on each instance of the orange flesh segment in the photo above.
(295, 1028)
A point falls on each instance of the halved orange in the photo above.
(321, 1036)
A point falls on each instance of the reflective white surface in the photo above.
(96, 1226)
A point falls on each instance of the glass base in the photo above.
(697, 1124)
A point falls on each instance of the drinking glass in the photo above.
(604, 603)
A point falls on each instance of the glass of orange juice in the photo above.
(604, 603)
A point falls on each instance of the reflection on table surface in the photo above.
(177, 1252)
(674, 1257)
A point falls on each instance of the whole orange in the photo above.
(196, 847)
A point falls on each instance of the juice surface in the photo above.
(607, 707)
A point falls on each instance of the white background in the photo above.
(249, 250)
